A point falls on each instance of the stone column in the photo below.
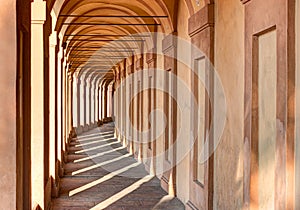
(75, 102)
(138, 82)
(105, 102)
(122, 104)
(113, 102)
(82, 104)
(70, 110)
(117, 105)
(151, 60)
(78, 130)
(38, 18)
(110, 92)
(99, 105)
(92, 104)
(59, 111)
(96, 114)
(88, 104)
(64, 107)
(168, 180)
(52, 123)
(102, 102)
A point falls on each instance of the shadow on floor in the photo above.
(101, 174)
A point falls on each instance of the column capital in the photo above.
(78, 81)
(70, 75)
(151, 55)
(87, 84)
(201, 20)
(53, 39)
(38, 12)
(169, 43)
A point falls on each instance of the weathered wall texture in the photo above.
(229, 63)
(297, 146)
(183, 124)
(8, 104)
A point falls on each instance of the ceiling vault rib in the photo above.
(115, 16)
(108, 40)
(113, 24)
(70, 36)
(83, 50)
(102, 47)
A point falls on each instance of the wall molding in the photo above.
(201, 20)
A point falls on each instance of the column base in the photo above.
(55, 188)
(56, 181)
(65, 157)
(60, 169)
(73, 133)
(62, 172)
(92, 126)
(107, 120)
(99, 123)
(85, 127)
(48, 188)
(79, 130)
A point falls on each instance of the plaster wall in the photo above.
(267, 76)
(297, 146)
(8, 60)
(229, 63)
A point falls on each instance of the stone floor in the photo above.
(101, 174)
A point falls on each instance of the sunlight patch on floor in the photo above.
(164, 199)
(93, 142)
(123, 193)
(103, 179)
(95, 148)
(100, 164)
(99, 154)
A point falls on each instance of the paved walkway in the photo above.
(101, 174)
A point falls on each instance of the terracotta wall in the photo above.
(8, 113)
(297, 146)
(229, 63)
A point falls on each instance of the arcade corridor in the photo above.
(149, 104)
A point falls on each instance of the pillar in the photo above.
(38, 18)
(59, 109)
(70, 110)
(92, 104)
(82, 103)
(96, 115)
(78, 96)
(87, 104)
(168, 180)
(99, 105)
(64, 106)
(52, 106)
(105, 101)
(109, 104)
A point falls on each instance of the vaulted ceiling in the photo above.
(100, 33)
